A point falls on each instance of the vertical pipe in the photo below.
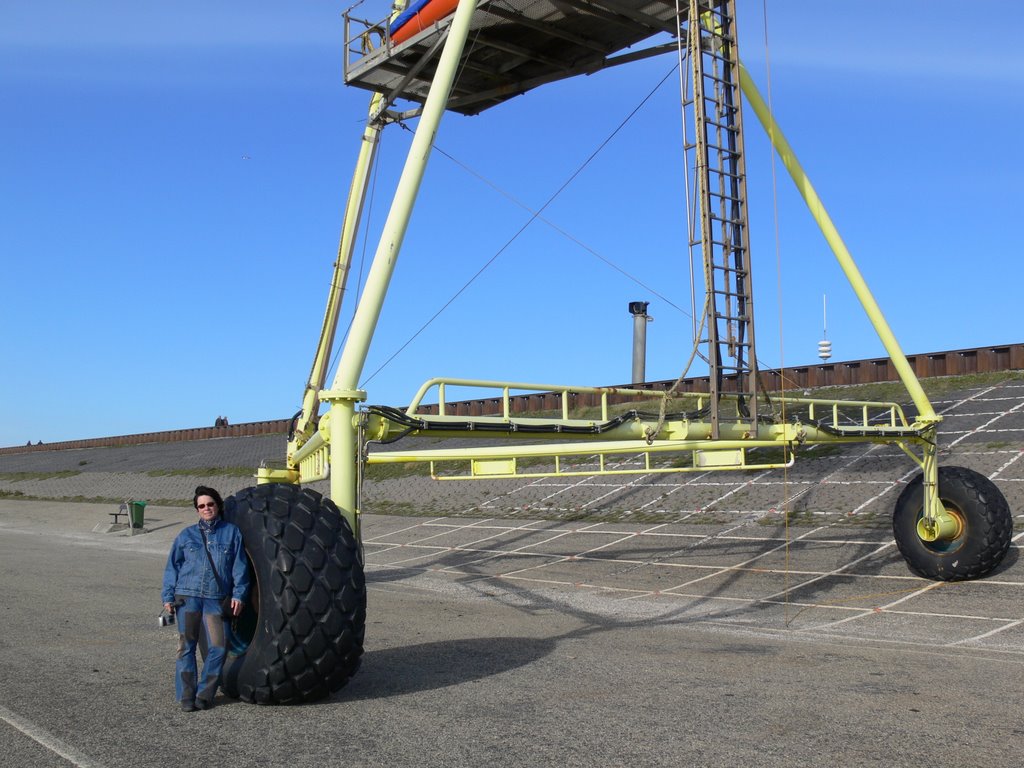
(353, 357)
(346, 245)
(344, 447)
(639, 311)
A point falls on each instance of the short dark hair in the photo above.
(202, 490)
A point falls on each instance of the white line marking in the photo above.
(871, 611)
(47, 739)
(402, 530)
(974, 414)
(695, 480)
(785, 593)
(983, 427)
(617, 489)
(1007, 465)
(983, 635)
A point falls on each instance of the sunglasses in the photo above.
(211, 505)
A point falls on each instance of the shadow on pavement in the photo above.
(428, 666)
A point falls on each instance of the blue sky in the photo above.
(173, 176)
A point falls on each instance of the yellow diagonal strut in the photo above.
(936, 523)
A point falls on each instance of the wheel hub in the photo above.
(948, 525)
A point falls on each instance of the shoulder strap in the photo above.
(206, 546)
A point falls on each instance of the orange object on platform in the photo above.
(430, 13)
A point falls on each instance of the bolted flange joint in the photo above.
(946, 526)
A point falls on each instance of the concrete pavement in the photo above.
(534, 642)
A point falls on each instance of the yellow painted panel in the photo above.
(732, 458)
(494, 467)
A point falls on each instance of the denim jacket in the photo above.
(188, 569)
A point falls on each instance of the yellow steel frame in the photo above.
(828, 421)
(935, 516)
(339, 438)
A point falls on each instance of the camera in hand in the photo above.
(166, 618)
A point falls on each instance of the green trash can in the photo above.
(136, 513)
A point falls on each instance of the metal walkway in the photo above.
(514, 46)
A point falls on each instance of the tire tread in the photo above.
(310, 564)
(989, 521)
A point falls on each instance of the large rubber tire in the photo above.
(301, 636)
(986, 526)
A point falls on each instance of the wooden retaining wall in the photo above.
(276, 426)
(960, 362)
(953, 363)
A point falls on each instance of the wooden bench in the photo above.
(122, 510)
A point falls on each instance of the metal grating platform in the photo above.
(514, 46)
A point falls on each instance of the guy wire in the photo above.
(523, 228)
(778, 288)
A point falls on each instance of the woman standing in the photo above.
(205, 566)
